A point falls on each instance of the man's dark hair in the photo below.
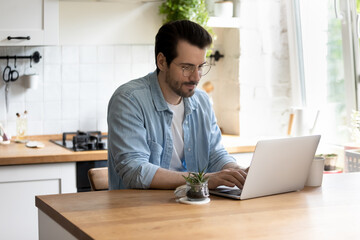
(169, 34)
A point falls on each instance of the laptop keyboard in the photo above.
(231, 191)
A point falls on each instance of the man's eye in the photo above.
(187, 68)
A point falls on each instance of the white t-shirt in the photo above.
(178, 136)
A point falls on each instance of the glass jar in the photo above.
(197, 192)
(21, 129)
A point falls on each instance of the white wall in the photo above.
(76, 83)
(265, 81)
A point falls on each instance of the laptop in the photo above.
(277, 166)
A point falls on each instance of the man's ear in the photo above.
(161, 61)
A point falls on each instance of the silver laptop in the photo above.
(277, 166)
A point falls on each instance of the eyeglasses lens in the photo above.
(203, 70)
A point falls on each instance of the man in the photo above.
(161, 126)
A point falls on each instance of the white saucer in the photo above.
(186, 201)
(34, 144)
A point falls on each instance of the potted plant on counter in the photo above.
(330, 161)
(194, 10)
(197, 186)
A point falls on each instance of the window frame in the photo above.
(346, 12)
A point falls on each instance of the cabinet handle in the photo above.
(23, 38)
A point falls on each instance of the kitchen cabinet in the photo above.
(35, 21)
(19, 184)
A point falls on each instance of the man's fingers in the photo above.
(233, 181)
(240, 175)
(243, 173)
(228, 177)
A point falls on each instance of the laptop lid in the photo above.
(277, 166)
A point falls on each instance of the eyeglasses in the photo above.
(188, 69)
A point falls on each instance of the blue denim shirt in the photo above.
(139, 135)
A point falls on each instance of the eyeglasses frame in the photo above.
(191, 71)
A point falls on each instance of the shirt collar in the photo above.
(190, 103)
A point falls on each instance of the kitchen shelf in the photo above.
(219, 22)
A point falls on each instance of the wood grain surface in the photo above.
(18, 153)
(328, 212)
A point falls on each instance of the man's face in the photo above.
(189, 57)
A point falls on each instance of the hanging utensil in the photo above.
(14, 73)
(6, 73)
(9, 75)
(6, 97)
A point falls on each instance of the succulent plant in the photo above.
(196, 186)
(196, 177)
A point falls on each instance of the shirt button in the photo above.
(186, 122)
(189, 149)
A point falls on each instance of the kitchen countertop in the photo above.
(18, 153)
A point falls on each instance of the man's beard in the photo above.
(176, 86)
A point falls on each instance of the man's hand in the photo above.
(228, 176)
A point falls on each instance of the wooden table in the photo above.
(328, 212)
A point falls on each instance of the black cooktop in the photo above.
(83, 141)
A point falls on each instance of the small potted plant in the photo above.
(330, 161)
(197, 186)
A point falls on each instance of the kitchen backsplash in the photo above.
(75, 85)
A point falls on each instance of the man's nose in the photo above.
(195, 76)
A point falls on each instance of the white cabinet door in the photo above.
(36, 19)
(18, 187)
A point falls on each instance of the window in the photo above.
(326, 62)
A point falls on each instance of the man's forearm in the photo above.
(235, 166)
(167, 179)
(231, 165)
